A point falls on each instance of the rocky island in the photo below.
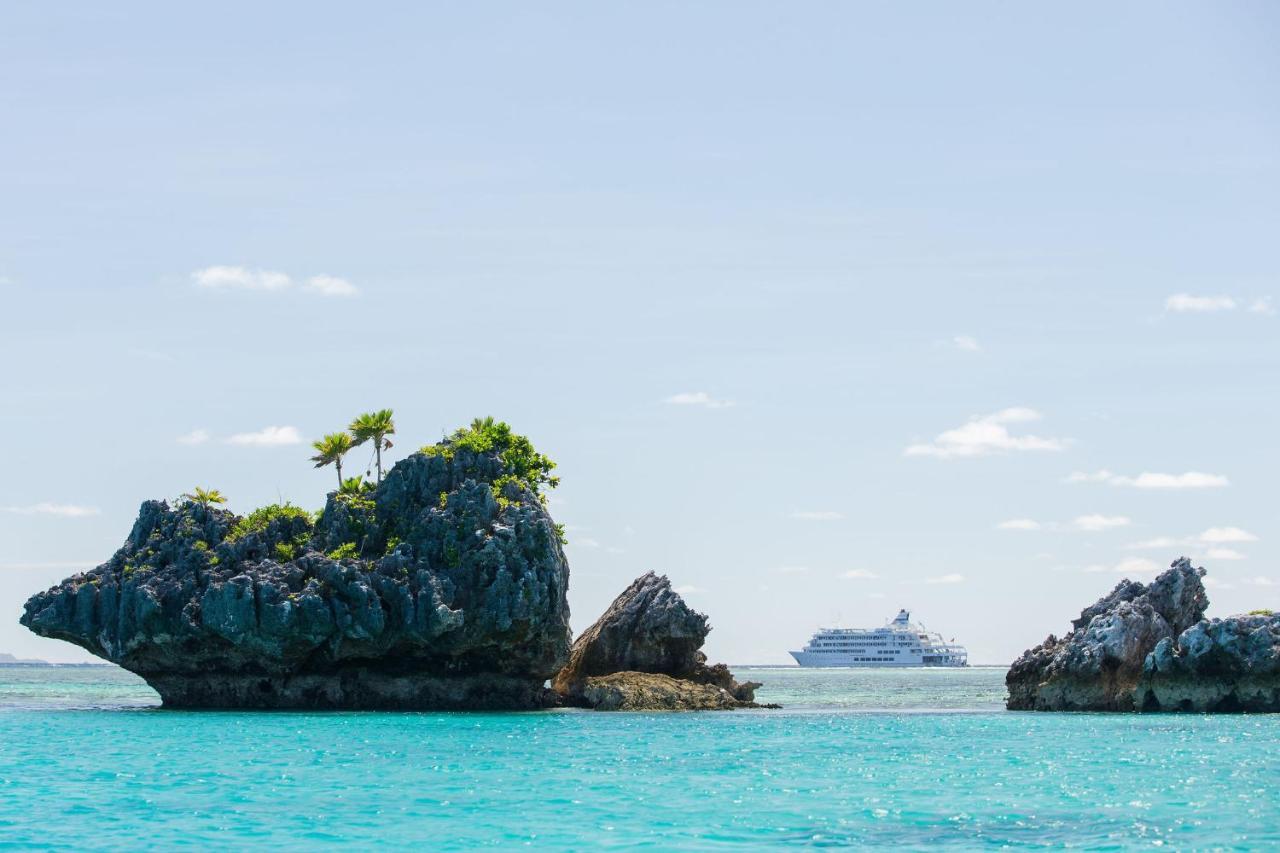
(645, 653)
(443, 586)
(1149, 648)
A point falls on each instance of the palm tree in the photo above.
(483, 424)
(206, 497)
(376, 426)
(330, 450)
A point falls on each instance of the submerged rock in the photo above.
(443, 588)
(649, 631)
(1149, 648)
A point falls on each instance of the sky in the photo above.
(824, 309)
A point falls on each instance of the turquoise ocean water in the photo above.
(893, 758)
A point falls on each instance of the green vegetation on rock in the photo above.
(258, 520)
(522, 462)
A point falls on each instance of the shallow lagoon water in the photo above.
(906, 758)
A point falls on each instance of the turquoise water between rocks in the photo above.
(892, 758)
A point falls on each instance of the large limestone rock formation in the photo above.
(1149, 648)
(444, 588)
(644, 653)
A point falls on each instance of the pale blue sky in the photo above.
(839, 230)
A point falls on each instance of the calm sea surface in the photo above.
(896, 758)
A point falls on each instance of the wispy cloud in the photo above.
(196, 436)
(1227, 534)
(1260, 581)
(860, 575)
(791, 570)
(817, 515)
(240, 278)
(1095, 522)
(697, 398)
(1159, 543)
(272, 436)
(1224, 554)
(331, 285)
(986, 434)
(966, 343)
(1019, 524)
(946, 579)
(226, 277)
(1185, 303)
(1128, 566)
(46, 508)
(688, 589)
(1150, 480)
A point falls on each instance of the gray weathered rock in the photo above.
(647, 629)
(1149, 648)
(453, 599)
(1216, 665)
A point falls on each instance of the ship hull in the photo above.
(817, 660)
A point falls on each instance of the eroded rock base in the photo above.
(350, 689)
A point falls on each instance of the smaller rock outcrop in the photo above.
(1149, 648)
(644, 653)
(649, 691)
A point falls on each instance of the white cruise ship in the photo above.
(899, 643)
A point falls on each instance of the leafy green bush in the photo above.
(1262, 612)
(284, 551)
(258, 520)
(345, 551)
(522, 462)
(356, 485)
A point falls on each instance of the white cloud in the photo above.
(817, 515)
(951, 578)
(688, 589)
(612, 549)
(1095, 522)
(46, 508)
(196, 436)
(1159, 542)
(791, 570)
(1136, 566)
(331, 285)
(1224, 554)
(1227, 534)
(1018, 524)
(966, 343)
(585, 542)
(272, 436)
(1260, 581)
(984, 435)
(1214, 583)
(1100, 476)
(860, 575)
(697, 398)
(243, 278)
(240, 278)
(1262, 306)
(1149, 480)
(1185, 303)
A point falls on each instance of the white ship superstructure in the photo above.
(899, 643)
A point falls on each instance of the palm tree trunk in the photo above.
(378, 450)
(338, 464)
